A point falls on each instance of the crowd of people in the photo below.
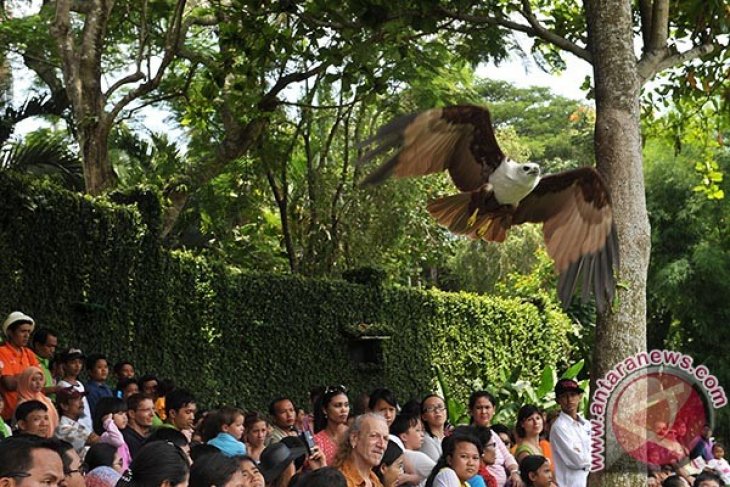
(145, 432)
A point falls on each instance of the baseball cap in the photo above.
(567, 385)
(71, 354)
(67, 393)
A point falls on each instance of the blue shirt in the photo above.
(476, 481)
(96, 390)
(228, 445)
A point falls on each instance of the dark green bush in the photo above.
(96, 272)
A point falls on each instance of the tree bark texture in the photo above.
(621, 331)
(81, 66)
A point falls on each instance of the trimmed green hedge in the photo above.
(96, 272)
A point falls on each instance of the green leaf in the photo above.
(574, 370)
(547, 380)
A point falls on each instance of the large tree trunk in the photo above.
(621, 332)
(99, 174)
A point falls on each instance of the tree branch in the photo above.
(551, 37)
(139, 75)
(535, 29)
(645, 10)
(654, 62)
(92, 40)
(61, 31)
(143, 33)
(659, 25)
(270, 97)
(171, 41)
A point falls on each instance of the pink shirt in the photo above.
(327, 445)
(504, 460)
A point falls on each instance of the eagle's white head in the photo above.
(512, 181)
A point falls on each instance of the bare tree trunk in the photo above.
(98, 172)
(620, 332)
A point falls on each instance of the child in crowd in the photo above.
(407, 427)
(535, 471)
(719, 464)
(489, 455)
(111, 418)
(123, 372)
(71, 405)
(98, 368)
(31, 418)
(230, 427)
(127, 387)
(391, 466)
(30, 388)
(73, 363)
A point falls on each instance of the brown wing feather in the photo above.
(575, 210)
(458, 138)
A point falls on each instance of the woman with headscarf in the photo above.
(30, 388)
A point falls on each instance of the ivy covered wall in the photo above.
(95, 271)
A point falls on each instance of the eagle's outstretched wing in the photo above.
(575, 210)
(459, 139)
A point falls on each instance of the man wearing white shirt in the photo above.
(570, 437)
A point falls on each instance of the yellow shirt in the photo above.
(353, 477)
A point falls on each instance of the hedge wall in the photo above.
(95, 271)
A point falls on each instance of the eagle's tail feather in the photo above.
(457, 214)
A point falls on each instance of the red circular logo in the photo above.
(656, 417)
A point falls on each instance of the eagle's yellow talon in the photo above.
(473, 218)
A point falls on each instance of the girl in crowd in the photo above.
(218, 470)
(505, 434)
(383, 402)
(103, 455)
(251, 474)
(256, 428)
(331, 411)
(230, 430)
(110, 419)
(535, 471)
(157, 464)
(458, 463)
(391, 466)
(30, 388)
(482, 408)
(489, 455)
(433, 415)
(529, 428)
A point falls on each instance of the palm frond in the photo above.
(48, 155)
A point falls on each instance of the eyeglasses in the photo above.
(338, 388)
(434, 409)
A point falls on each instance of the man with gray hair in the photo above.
(366, 440)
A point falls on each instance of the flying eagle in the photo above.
(496, 193)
